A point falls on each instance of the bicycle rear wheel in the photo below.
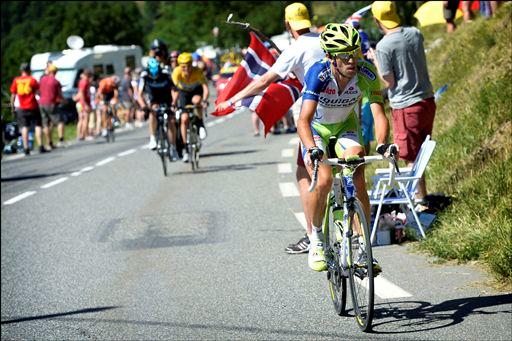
(192, 146)
(361, 269)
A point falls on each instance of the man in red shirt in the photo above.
(83, 99)
(25, 87)
(50, 92)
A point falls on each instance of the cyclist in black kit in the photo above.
(155, 87)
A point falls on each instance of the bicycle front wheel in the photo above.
(336, 275)
(163, 147)
(361, 268)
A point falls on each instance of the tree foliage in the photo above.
(30, 27)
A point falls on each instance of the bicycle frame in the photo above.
(193, 141)
(163, 143)
(339, 246)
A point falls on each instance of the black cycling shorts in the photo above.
(185, 97)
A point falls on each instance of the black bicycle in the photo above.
(348, 249)
(110, 127)
(163, 146)
(193, 140)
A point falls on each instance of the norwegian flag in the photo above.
(275, 101)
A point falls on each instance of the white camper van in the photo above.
(102, 60)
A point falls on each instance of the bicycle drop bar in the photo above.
(353, 162)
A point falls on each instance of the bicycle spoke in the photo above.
(337, 281)
(361, 269)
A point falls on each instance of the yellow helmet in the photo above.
(185, 58)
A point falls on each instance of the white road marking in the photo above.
(83, 170)
(288, 189)
(284, 168)
(386, 289)
(105, 161)
(146, 146)
(56, 182)
(287, 153)
(128, 152)
(294, 140)
(301, 217)
(19, 197)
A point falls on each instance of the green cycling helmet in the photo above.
(339, 38)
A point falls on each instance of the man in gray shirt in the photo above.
(402, 66)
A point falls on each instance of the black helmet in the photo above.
(159, 47)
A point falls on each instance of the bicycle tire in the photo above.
(361, 278)
(161, 140)
(336, 280)
(192, 150)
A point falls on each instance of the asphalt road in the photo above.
(98, 244)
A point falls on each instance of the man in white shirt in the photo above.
(296, 59)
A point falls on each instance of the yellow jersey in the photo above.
(196, 79)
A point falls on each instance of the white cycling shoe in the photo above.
(152, 143)
(185, 157)
(202, 133)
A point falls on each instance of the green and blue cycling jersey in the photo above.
(335, 112)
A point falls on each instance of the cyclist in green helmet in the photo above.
(333, 87)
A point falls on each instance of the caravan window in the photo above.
(98, 70)
(130, 61)
(110, 69)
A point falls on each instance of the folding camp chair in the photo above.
(404, 185)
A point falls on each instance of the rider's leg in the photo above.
(171, 131)
(183, 127)
(359, 183)
(196, 101)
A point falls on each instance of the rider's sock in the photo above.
(316, 233)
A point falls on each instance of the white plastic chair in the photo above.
(404, 185)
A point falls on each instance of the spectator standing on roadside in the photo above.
(297, 58)
(365, 112)
(135, 86)
(27, 114)
(50, 91)
(402, 67)
(449, 12)
(126, 94)
(94, 116)
(83, 99)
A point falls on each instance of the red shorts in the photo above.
(411, 126)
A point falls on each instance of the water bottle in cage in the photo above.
(348, 183)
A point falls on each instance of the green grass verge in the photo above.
(473, 130)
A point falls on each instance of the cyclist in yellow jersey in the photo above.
(191, 88)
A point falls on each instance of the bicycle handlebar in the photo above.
(353, 162)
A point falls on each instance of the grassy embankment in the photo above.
(473, 129)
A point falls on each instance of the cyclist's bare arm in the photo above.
(381, 122)
(254, 88)
(174, 94)
(206, 92)
(304, 123)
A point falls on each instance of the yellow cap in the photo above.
(297, 15)
(385, 12)
(52, 68)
